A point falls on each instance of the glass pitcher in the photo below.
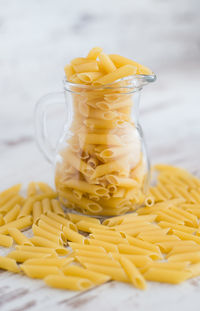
(101, 163)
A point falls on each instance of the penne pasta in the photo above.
(19, 237)
(9, 264)
(94, 277)
(132, 273)
(68, 282)
(40, 272)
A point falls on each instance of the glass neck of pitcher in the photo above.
(115, 100)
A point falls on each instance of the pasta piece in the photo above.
(28, 206)
(89, 77)
(9, 264)
(40, 241)
(68, 282)
(189, 218)
(134, 250)
(166, 265)
(142, 244)
(42, 224)
(38, 231)
(56, 262)
(91, 254)
(37, 211)
(19, 237)
(2, 221)
(109, 238)
(76, 218)
(109, 247)
(73, 236)
(186, 236)
(88, 226)
(65, 222)
(98, 261)
(106, 63)
(35, 249)
(121, 72)
(85, 204)
(21, 223)
(166, 275)
(16, 199)
(51, 222)
(69, 71)
(12, 214)
(84, 187)
(39, 272)
(133, 273)
(57, 209)
(94, 277)
(164, 224)
(90, 66)
(192, 257)
(46, 206)
(45, 188)
(184, 248)
(116, 274)
(31, 189)
(194, 270)
(21, 256)
(94, 53)
(138, 260)
(5, 240)
(84, 247)
(6, 194)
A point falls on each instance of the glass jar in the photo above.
(101, 163)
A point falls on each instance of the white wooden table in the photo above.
(38, 38)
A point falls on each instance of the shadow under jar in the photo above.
(101, 163)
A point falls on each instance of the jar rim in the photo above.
(136, 81)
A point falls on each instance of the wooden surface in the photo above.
(38, 38)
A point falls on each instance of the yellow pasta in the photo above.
(56, 206)
(42, 224)
(56, 262)
(12, 214)
(68, 282)
(166, 275)
(37, 211)
(19, 237)
(39, 272)
(124, 71)
(5, 195)
(94, 277)
(38, 231)
(5, 240)
(21, 256)
(115, 273)
(65, 222)
(76, 218)
(16, 199)
(51, 222)
(31, 189)
(21, 223)
(40, 241)
(109, 247)
(110, 262)
(46, 206)
(133, 273)
(73, 236)
(9, 264)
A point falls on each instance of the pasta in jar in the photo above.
(101, 168)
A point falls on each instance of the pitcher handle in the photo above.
(41, 133)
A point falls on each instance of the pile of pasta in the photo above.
(160, 242)
(102, 169)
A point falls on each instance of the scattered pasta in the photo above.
(159, 243)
